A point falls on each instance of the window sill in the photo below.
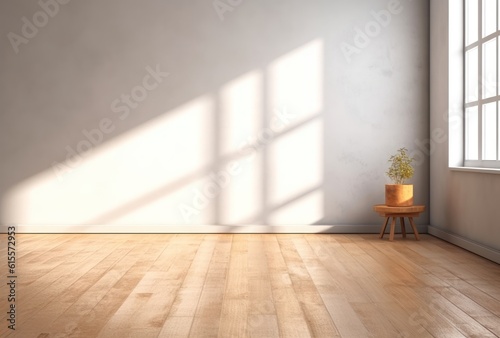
(476, 170)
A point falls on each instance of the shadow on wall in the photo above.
(246, 151)
(228, 157)
(177, 113)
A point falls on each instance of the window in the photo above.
(482, 92)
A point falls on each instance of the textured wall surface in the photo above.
(200, 112)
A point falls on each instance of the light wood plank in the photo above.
(176, 327)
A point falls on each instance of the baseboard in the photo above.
(467, 244)
(207, 229)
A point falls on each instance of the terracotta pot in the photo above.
(399, 195)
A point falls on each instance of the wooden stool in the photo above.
(401, 213)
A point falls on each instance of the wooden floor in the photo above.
(249, 286)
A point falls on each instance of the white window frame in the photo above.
(480, 102)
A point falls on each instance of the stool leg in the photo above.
(415, 231)
(393, 226)
(402, 222)
(383, 227)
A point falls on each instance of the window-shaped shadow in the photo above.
(250, 152)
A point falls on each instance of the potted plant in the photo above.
(399, 194)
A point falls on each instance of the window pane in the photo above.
(490, 131)
(489, 81)
(489, 17)
(471, 76)
(471, 134)
(471, 22)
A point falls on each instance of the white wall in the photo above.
(464, 205)
(330, 91)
